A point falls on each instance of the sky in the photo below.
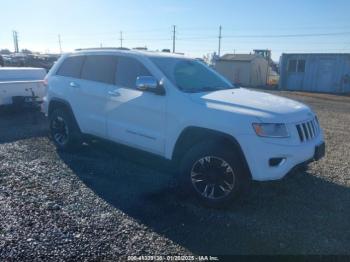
(284, 26)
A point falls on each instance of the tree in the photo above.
(5, 52)
(26, 51)
(210, 58)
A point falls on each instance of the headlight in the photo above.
(270, 130)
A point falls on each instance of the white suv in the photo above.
(220, 136)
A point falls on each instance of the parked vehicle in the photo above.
(21, 86)
(30, 60)
(2, 62)
(219, 135)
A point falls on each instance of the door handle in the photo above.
(114, 93)
(74, 84)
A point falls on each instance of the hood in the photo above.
(265, 106)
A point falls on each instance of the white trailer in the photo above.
(21, 84)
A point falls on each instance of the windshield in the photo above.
(191, 76)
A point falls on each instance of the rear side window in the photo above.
(128, 69)
(99, 68)
(71, 67)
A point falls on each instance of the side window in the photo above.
(128, 69)
(301, 66)
(292, 66)
(99, 68)
(296, 66)
(71, 67)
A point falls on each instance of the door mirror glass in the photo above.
(146, 82)
(149, 83)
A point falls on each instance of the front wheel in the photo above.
(213, 173)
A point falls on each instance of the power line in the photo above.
(265, 36)
(148, 39)
(287, 35)
(259, 29)
(209, 36)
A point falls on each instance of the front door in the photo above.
(135, 117)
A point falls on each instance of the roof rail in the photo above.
(102, 48)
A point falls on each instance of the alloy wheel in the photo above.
(212, 177)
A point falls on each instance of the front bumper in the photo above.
(259, 152)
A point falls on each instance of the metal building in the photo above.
(328, 73)
(244, 69)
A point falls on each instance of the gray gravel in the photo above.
(107, 202)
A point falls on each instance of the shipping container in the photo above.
(325, 73)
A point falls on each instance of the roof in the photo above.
(239, 57)
(134, 52)
(316, 54)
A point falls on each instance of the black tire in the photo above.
(228, 178)
(64, 131)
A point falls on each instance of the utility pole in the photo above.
(174, 37)
(121, 39)
(15, 41)
(220, 37)
(60, 43)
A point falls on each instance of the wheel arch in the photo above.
(193, 135)
(56, 103)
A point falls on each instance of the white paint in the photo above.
(154, 123)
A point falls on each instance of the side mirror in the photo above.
(150, 84)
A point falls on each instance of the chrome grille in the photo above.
(308, 130)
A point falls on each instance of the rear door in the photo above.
(98, 73)
(135, 117)
(64, 84)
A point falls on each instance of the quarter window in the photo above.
(99, 68)
(128, 69)
(71, 67)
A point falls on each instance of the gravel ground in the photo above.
(107, 202)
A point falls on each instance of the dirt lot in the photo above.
(108, 201)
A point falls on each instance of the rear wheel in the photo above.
(213, 173)
(64, 131)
